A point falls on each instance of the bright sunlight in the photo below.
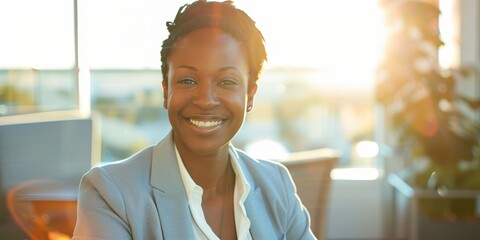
(343, 36)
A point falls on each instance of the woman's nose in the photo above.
(206, 97)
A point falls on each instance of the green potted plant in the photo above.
(422, 104)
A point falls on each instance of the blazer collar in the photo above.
(169, 192)
(172, 202)
(165, 175)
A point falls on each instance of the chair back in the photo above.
(310, 170)
(57, 147)
(43, 209)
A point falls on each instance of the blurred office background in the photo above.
(66, 59)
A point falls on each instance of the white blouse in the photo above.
(201, 229)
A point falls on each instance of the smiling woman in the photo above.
(194, 184)
(205, 92)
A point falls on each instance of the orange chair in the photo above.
(43, 209)
(310, 171)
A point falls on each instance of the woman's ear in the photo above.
(252, 89)
(165, 94)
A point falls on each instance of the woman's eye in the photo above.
(187, 81)
(228, 82)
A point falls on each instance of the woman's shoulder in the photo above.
(133, 167)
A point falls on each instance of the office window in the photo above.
(122, 54)
(37, 57)
(315, 91)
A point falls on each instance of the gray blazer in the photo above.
(143, 197)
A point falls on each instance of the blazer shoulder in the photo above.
(132, 169)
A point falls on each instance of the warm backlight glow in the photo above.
(37, 34)
(355, 174)
(323, 33)
(339, 36)
(366, 149)
(344, 38)
(266, 149)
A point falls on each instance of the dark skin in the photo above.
(207, 97)
(217, 204)
(217, 200)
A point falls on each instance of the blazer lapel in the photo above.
(261, 226)
(169, 192)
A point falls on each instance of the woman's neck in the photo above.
(206, 171)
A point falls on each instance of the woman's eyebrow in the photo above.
(187, 67)
(223, 69)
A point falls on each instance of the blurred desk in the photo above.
(414, 194)
(56, 206)
(44, 207)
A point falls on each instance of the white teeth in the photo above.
(205, 124)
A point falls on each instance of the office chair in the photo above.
(43, 209)
(310, 171)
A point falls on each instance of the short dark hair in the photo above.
(222, 15)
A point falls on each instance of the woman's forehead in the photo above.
(209, 45)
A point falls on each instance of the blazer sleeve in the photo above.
(298, 219)
(101, 210)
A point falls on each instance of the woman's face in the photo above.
(207, 95)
